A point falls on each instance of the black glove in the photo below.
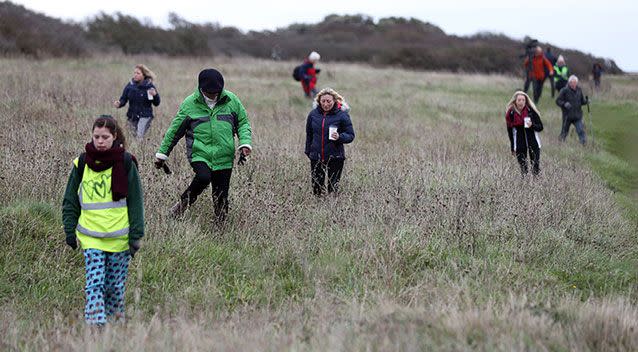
(159, 163)
(567, 105)
(72, 241)
(317, 70)
(242, 158)
(133, 247)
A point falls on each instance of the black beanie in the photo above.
(211, 81)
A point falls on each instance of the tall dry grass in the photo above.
(436, 241)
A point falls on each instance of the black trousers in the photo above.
(220, 182)
(318, 170)
(537, 86)
(526, 143)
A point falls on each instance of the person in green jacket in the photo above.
(103, 209)
(561, 73)
(210, 118)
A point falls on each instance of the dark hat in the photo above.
(211, 81)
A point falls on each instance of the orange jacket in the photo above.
(539, 62)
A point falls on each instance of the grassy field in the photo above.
(435, 242)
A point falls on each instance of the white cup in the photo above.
(149, 95)
(527, 122)
(331, 130)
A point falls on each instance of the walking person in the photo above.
(561, 73)
(523, 126)
(141, 95)
(103, 210)
(571, 99)
(552, 60)
(597, 72)
(328, 128)
(537, 71)
(309, 74)
(210, 118)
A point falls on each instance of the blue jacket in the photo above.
(139, 105)
(318, 146)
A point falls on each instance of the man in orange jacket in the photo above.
(536, 73)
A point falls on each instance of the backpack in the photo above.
(297, 74)
(128, 158)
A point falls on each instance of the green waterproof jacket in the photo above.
(210, 133)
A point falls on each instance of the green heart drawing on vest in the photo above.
(96, 190)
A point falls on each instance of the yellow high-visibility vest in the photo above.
(103, 222)
(560, 73)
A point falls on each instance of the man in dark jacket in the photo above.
(571, 99)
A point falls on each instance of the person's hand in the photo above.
(245, 151)
(152, 92)
(513, 153)
(116, 103)
(159, 163)
(317, 70)
(71, 241)
(567, 105)
(334, 135)
(133, 247)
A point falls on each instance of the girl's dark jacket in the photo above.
(318, 145)
(514, 120)
(139, 104)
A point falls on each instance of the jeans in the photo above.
(139, 126)
(580, 129)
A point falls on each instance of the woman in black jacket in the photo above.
(141, 95)
(328, 128)
(523, 125)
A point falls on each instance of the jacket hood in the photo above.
(210, 80)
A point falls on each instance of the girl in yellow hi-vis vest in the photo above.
(103, 209)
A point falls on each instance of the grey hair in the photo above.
(573, 78)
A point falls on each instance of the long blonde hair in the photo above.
(329, 91)
(148, 74)
(528, 102)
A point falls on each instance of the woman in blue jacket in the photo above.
(328, 128)
(140, 93)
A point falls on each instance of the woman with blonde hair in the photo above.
(328, 128)
(142, 95)
(523, 125)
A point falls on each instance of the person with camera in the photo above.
(535, 66)
(571, 99)
(523, 125)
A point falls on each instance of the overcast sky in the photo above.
(607, 29)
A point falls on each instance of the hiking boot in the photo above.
(179, 208)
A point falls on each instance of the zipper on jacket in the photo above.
(323, 124)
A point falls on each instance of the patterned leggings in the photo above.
(106, 274)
